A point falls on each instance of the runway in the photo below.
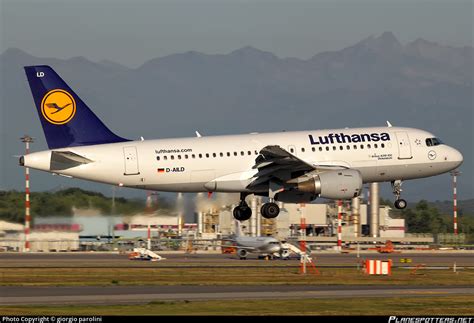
(180, 259)
(98, 295)
(133, 289)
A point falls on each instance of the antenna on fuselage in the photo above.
(389, 124)
(198, 134)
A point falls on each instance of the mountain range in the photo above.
(420, 84)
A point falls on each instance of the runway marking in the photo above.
(145, 298)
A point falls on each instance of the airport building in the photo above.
(213, 220)
(320, 220)
(53, 237)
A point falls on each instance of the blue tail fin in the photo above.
(66, 120)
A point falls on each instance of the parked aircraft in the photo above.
(263, 246)
(292, 167)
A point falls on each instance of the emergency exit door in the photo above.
(404, 148)
(131, 160)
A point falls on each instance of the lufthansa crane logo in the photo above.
(58, 107)
(432, 155)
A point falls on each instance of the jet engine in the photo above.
(242, 253)
(295, 196)
(335, 185)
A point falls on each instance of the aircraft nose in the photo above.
(457, 157)
(275, 249)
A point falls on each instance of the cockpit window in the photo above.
(433, 142)
(437, 141)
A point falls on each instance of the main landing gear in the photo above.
(270, 210)
(397, 190)
(243, 212)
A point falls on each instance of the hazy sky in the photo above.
(131, 32)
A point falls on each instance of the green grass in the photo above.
(449, 305)
(223, 276)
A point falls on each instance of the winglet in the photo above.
(389, 124)
(198, 134)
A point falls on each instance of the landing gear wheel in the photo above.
(400, 204)
(270, 210)
(397, 191)
(242, 212)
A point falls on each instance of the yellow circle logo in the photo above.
(58, 107)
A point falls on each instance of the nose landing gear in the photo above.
(397, 190)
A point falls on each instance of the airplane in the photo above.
(263, 246)
(291, 167)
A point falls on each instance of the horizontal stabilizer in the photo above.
(61, 160)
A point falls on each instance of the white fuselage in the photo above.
(224, 163)
(261, 245)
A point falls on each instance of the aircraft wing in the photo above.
(276, 163)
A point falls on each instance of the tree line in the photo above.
(62, 203)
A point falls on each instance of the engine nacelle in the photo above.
(335, 185)
(242, 253)
(295, 196)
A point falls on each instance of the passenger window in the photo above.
(207, 155)
(361, 146)
(185, 156)
(221, 154)
(179, 156)
(157, 157)
(355, 146)
(214, 155)
(375, 146)
(368, 146)
(382, 145)
(302, 150)
(256, 152)
(320, 148)
(292, 150)
(172, 157)
(334, 148)
(235, 153)
(200, 155)
(327, 148)
(228, 154)
(193, 156)
(249, 153)
(242, 153)
(165, 157)
(348, 147)
(341, 148)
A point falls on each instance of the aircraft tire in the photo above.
(242, 213)
(400, 204)
(270, 210)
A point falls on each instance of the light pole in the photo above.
(454, 174)
(27, 140)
